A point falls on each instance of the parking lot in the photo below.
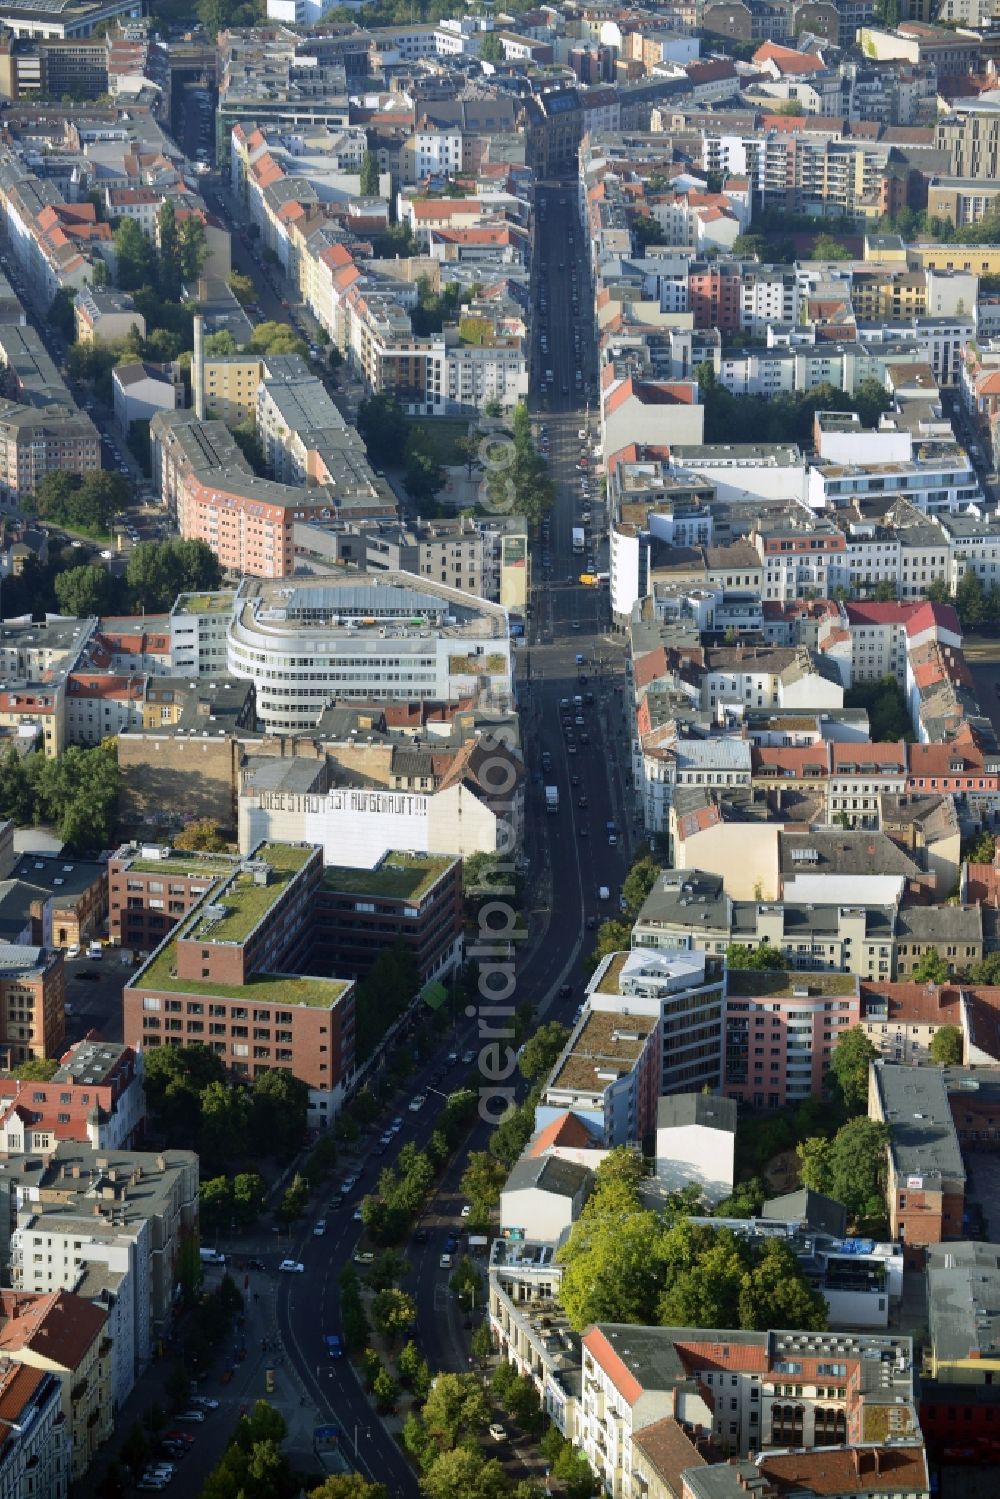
(94, 995)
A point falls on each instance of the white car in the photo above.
(207, 1403)
(582, 434)
(467, 1210)
(417, 1103)
(445, 1262)
(319, 1228)
(497, 1432)
(290, 1267)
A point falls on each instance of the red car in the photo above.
(178, 1436)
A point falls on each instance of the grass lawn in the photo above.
(439, 434)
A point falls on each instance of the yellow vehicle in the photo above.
(589, 580)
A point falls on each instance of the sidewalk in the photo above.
(246, 1387)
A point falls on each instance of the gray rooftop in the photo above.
(816, 1210)
(683, 1109)
(963, 1295)
(548, 1173)
(915, 1106)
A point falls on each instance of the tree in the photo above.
(776, 1294)
(277, 338)
(464, 1474)
(543, 1049)
(983, 849)
(640, 881)
(78, 793)
(850, 1168)
(134, 255)
(987, 971)
(279, 1112)
(827, 248)
(222, 342)
(383, 427)
(224, 1116)
(413, 1370)
(852, 1056)
(483, 1179)
(385, 1391)
(61, 315)
(946, 1046)
(248, 1196)
(192, 247)
(368, 186)
(135, 1449)
(931, 969)
(36, 1069)
(293, 1203)
(85, 591)
(393, 1312)
(455, 1408)
(491, 49)
(242, 288)
(760, 958)
(706, 1292)
(203, 835)
(422, 477)
(169, 281)
(158, 571)
(349, 1486)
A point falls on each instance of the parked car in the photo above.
(497, 1432)
(445, 1262)
(196, 1417)
(287, 1267)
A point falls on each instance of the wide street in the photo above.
(571, 858)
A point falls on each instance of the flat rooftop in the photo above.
(605, 1048)
(400, 876)
(277, 988)
(775, 984)
(924, 1141)
(176, 861)
(245, 899)
(205, 603)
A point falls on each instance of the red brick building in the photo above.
(232, 979)
(409, 898)
(151, 887)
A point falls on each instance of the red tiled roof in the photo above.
(567, 1130)
(607, 1360)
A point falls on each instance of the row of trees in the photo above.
(197, 1108)
(785, 417)
(518, 481)
(76, 793)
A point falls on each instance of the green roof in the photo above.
(244, 901)
(399, 876)
(281, 988)
(205, 603)
(188, 863)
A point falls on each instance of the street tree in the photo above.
(542, 1050)
(349, 1486)
(393, 1312)
(455, 1409)
(639, 881)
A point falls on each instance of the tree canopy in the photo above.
(946, 1046)
(849, 1065)
(850, 1168)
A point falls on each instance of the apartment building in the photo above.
(413, 899)
(104, 315)
(65, 1335)
(199, 624)
(688, 987)
(925, 1190)
(230, 978)
(95, 1096)
(35, 441)
(690, 905)
(36, 1456)
(961, 1364)
(32, 1001)
(609, 1074)
(747, 1390)
(781, 1030)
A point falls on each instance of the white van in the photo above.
(604, 893)
(211, 1257)
(95, 951)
